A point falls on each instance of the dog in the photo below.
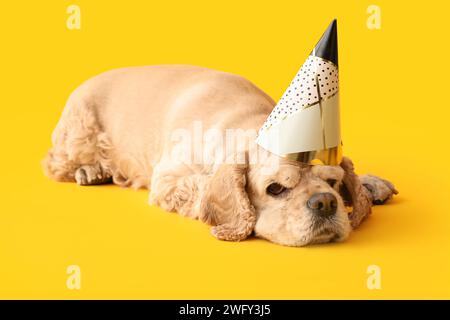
(123, 126)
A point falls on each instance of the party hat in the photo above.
(305, 123)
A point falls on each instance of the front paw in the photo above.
(380, 190)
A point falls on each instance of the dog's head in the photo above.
(287, 203)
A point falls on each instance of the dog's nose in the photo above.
(324, 204)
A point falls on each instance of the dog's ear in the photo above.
(225, 204)
(354, 194)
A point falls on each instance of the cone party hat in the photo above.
(305, 123)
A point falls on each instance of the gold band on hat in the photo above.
(329, 157)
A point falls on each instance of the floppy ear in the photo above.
(225, 204)
(355, 194)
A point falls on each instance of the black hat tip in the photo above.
(327, 47)
(332, 28)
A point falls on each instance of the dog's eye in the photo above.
(275, 189)
(331, 182)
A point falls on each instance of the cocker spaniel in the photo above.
(187, 134)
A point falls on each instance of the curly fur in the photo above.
(226, 205)
(77, 140)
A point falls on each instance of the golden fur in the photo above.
(119, 126)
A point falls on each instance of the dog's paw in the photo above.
(90, 175)
(381, 190)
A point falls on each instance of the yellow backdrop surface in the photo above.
(395, 118)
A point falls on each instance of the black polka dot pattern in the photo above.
(328, 77)
(316, 79)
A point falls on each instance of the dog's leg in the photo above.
(81, 150)
(177, 189)
(380, 190)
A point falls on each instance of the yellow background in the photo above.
(395, 115)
